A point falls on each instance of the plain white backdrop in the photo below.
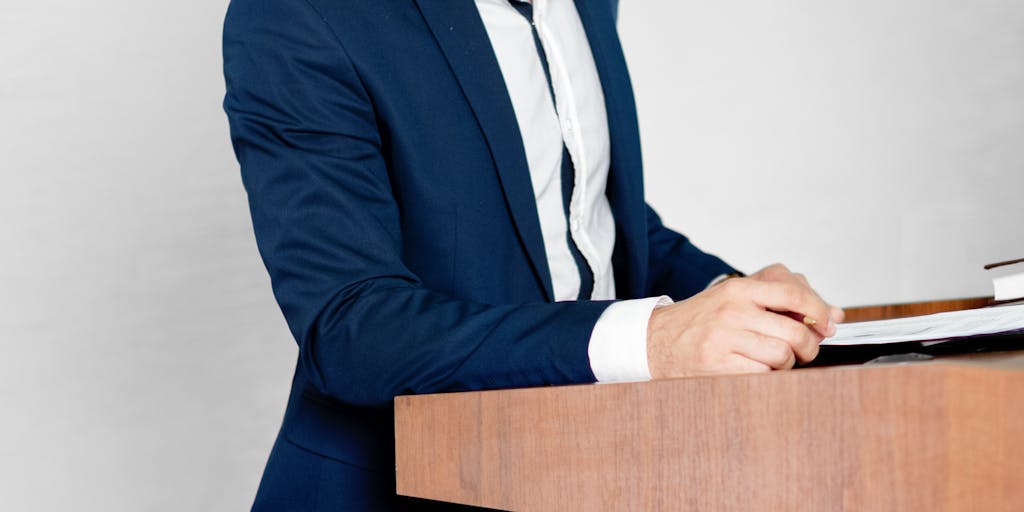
(874, 145)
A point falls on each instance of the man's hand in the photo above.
(749, 324)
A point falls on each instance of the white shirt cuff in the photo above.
(618, 343)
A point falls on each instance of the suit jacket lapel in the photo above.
(460, 33)
(625, 189)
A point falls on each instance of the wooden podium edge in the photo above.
(977, 431)
(943, 427)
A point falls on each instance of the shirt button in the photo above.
(574, 223)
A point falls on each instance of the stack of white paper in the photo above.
(942, 326)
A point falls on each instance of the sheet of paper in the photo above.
(941, 326)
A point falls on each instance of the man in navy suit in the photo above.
(448, 196)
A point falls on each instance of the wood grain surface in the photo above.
(938, 435)
(930, 436)
(882, 312)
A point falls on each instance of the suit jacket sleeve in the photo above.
(327, 226)
(676, 267)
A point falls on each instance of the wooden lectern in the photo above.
(946, 434)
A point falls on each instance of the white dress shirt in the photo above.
(577, 119)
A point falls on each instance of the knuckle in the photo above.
(808, 346)
(779, 355)
(793, 294)
(797, 333)
(731, 286)
(789, 363)
(729, 312)
(783, 354)
(825, 315)
(708, 353)
(812, 352)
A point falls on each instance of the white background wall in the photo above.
(874, 145)
(877, 146)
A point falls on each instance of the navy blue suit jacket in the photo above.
(392, 205)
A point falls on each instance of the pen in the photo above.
(991, 266)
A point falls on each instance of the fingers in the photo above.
(794, 298)
(803, 342)
(773, 272)
(772, 352)
(738, 363)
(838, 315)
(741, 325)
(778, 272)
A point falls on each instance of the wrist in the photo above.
(725, 277)
(656, 334)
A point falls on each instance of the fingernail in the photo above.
(832, 327)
